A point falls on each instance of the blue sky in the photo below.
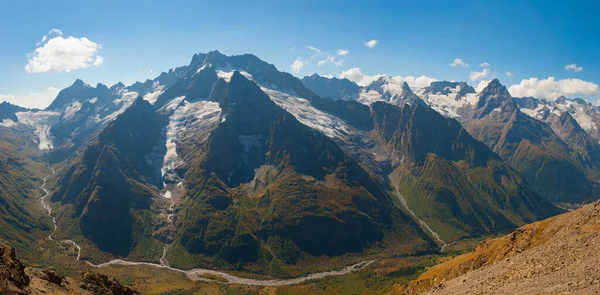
(138, 39)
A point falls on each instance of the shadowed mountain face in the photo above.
(530, 146)
(8, 111)
(109, 184)
(332, 87)
(263, 178)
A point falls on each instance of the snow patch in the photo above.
(157, 90)
(93, 100)
(125, 100)
(71, 110)
(225, 72)
(369, 97)
(8, 123)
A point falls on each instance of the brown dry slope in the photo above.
(559, 255)
(16, 279)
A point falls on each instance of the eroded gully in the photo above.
(435, 235)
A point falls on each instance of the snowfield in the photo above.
(308, 115)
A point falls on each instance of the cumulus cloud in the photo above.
(56, 53)
(342, 52)
(509, 74)
(51, 33)
(371, 43)
(328, 76)
(418, 82)
(40, 99)
(574, 68)
(300, 63)
(551, 88)
(297, 65)
(485, 65)
(357, 76)
(474, 76)
(459, 63)
(482, 84)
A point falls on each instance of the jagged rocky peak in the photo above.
(118, 86)
(79, 91)
(528, 102)
(561, 100)
(332, 87)
(494, 96)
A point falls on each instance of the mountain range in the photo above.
(228, 162)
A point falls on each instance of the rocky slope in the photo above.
(554, 256)
(17, 279)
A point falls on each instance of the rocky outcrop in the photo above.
(13, 279)
(17, 279)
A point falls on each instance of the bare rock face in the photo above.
(52, 276)
(101, 284)
(13, 279)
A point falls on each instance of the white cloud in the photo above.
(63, 54)
(328, 76)
(573, 67)
(474, 76)
(292, 48)
(342, 52)
(32, 99)
(371, 43)
(550, 88)
(418, 82)
(315, 49)
(482, 84)
(148, 71)
(459, 63)
(44, 38)
(331, 59)
(56, 32)
(52, 32)
(356, 75)
(485, 65)
(297, 65)
(509, 74)
(300, 63)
